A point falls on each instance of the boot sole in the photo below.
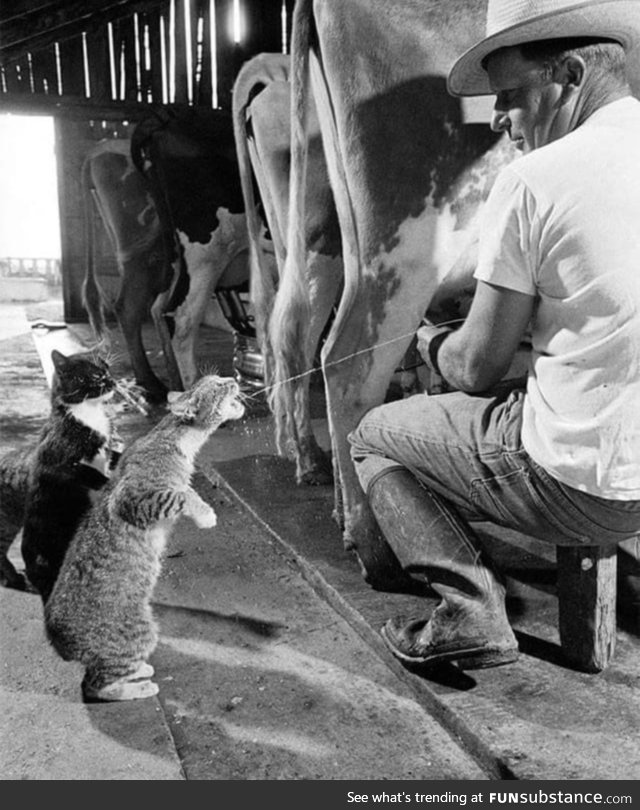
(472, 657)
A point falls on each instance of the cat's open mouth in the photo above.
(233, 405)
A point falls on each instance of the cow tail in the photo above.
(293, 357)
(93, 298)
(262, 281)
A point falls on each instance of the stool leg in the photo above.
(587, 605)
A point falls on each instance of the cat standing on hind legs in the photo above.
(99, 612)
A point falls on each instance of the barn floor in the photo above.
(535, 719)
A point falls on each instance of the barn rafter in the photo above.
(65, 56)
(35, 28)
(98, 66)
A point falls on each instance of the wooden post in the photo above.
(71, 223)
(587, 605)
(99, 64)
(72, 67)
(182, 90)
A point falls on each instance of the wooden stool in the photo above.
(587, 605)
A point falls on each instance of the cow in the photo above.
(131, 220)
(261, 118)
(408, 177)
(189, 159)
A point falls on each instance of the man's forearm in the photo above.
(453, 356)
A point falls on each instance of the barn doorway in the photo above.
(30, 250)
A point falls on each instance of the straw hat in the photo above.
(511, 22)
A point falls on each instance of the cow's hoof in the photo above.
(156, 396)
(319, 476)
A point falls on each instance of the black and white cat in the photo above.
(45, 488)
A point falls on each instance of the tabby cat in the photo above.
(45, 488)
(99, 612)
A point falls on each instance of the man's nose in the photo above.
(499, 120)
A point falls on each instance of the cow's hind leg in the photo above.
(313, 464)
(158, 313)
(371, 332)
(132, 308)
(188, 317)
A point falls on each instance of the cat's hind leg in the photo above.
(135, 685)
(145, 670)
(121, 690)
(120, 671)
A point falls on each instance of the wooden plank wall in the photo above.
(96, 81)
(74, 139)
(168, 51)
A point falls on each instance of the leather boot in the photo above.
(628, 585)
(433, 544)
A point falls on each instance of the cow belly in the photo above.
(214, 317)
(205, 265)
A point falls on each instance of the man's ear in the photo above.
(570, 72)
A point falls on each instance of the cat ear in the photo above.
(59, 360)
(183, 406)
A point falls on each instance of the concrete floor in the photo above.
(536, 719)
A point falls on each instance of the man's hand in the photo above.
(479, 353)
(429, 338)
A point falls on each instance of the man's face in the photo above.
(527, 104)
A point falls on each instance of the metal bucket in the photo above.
(248, 363)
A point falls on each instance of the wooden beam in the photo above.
(587, 605)
(57, 22)
(229, 55)
(155, 48)
(72, 67)
(44, 73)
(16, 77)
(99, 65)
(77, 107)
(126, 39)
(181, 86)
(204, 90)
(264, 26)
(13, 9)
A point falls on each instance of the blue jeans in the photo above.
(468, 449)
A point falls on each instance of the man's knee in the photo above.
(369, 459)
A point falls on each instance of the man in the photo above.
(560, 253)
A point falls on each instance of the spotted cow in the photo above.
(408, 174)
(189, 159)
(130, 217)
(262, 123)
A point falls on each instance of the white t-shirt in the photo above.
(563, 223)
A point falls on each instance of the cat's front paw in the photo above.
(205, 519)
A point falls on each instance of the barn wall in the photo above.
(94, 74)
(74, 139)
(132, 53)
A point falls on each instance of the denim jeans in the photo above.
(468, 449)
